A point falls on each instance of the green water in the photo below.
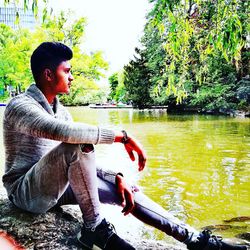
(197, 167)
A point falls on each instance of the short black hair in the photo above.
(48, 55)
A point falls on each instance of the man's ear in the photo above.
(48, 74)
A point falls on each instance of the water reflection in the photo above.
(198, 165)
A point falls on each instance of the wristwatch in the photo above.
(125, 138)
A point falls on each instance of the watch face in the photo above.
(125, 138)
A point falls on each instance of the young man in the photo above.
(50, 161)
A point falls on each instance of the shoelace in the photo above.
(111, 227)
(208, 235)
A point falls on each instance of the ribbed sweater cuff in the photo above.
(106, 136)
(110, 176)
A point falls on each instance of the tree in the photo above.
(17, 46)
(156, 56)
(137, 81)
(34, 7)
(118, 91)
(113, 82)
(196, 51)
(14, 70)
(197, 30)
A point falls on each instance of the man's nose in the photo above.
(71, 78)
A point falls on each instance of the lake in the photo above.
(197, 167)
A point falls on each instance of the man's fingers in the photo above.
(127, 209)
(141, 166)
(122, 197)
(130, 153)
(129, 203)
(132, 146)
(141, 161)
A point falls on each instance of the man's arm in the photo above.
(30, 119)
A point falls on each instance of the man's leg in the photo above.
(44, 184)
(145, 210)
(152, 214)
(47, 180)
(148, 212)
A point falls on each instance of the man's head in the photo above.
(49, 64)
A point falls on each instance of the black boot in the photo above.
(206, 241)
(104, 237)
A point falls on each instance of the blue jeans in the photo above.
(68, 175)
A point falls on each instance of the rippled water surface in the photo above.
(197, 168)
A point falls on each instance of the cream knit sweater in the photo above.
(32, 128)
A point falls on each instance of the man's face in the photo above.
(63, 78)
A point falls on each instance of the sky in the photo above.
(114, 26)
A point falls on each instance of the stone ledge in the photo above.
(56, 230)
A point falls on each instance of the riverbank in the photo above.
(180, 109)
(57, 230)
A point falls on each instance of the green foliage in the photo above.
(218, 90)
(136, 81)
(243, 90)
(197, 51)
(34, 7)
(14, 66)
(17, 45)
(62, 28)
(97, 96)
(193, 52)
(121, 93)
(113, 82)
(118, 92)
(155, 55)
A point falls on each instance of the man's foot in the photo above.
(104, 237)
(208, 241)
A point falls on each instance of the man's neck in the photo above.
(47, 93)
(50, 98)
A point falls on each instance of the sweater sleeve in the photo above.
(29, 118)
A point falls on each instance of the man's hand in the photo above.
(132, 145)
(126, 195)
